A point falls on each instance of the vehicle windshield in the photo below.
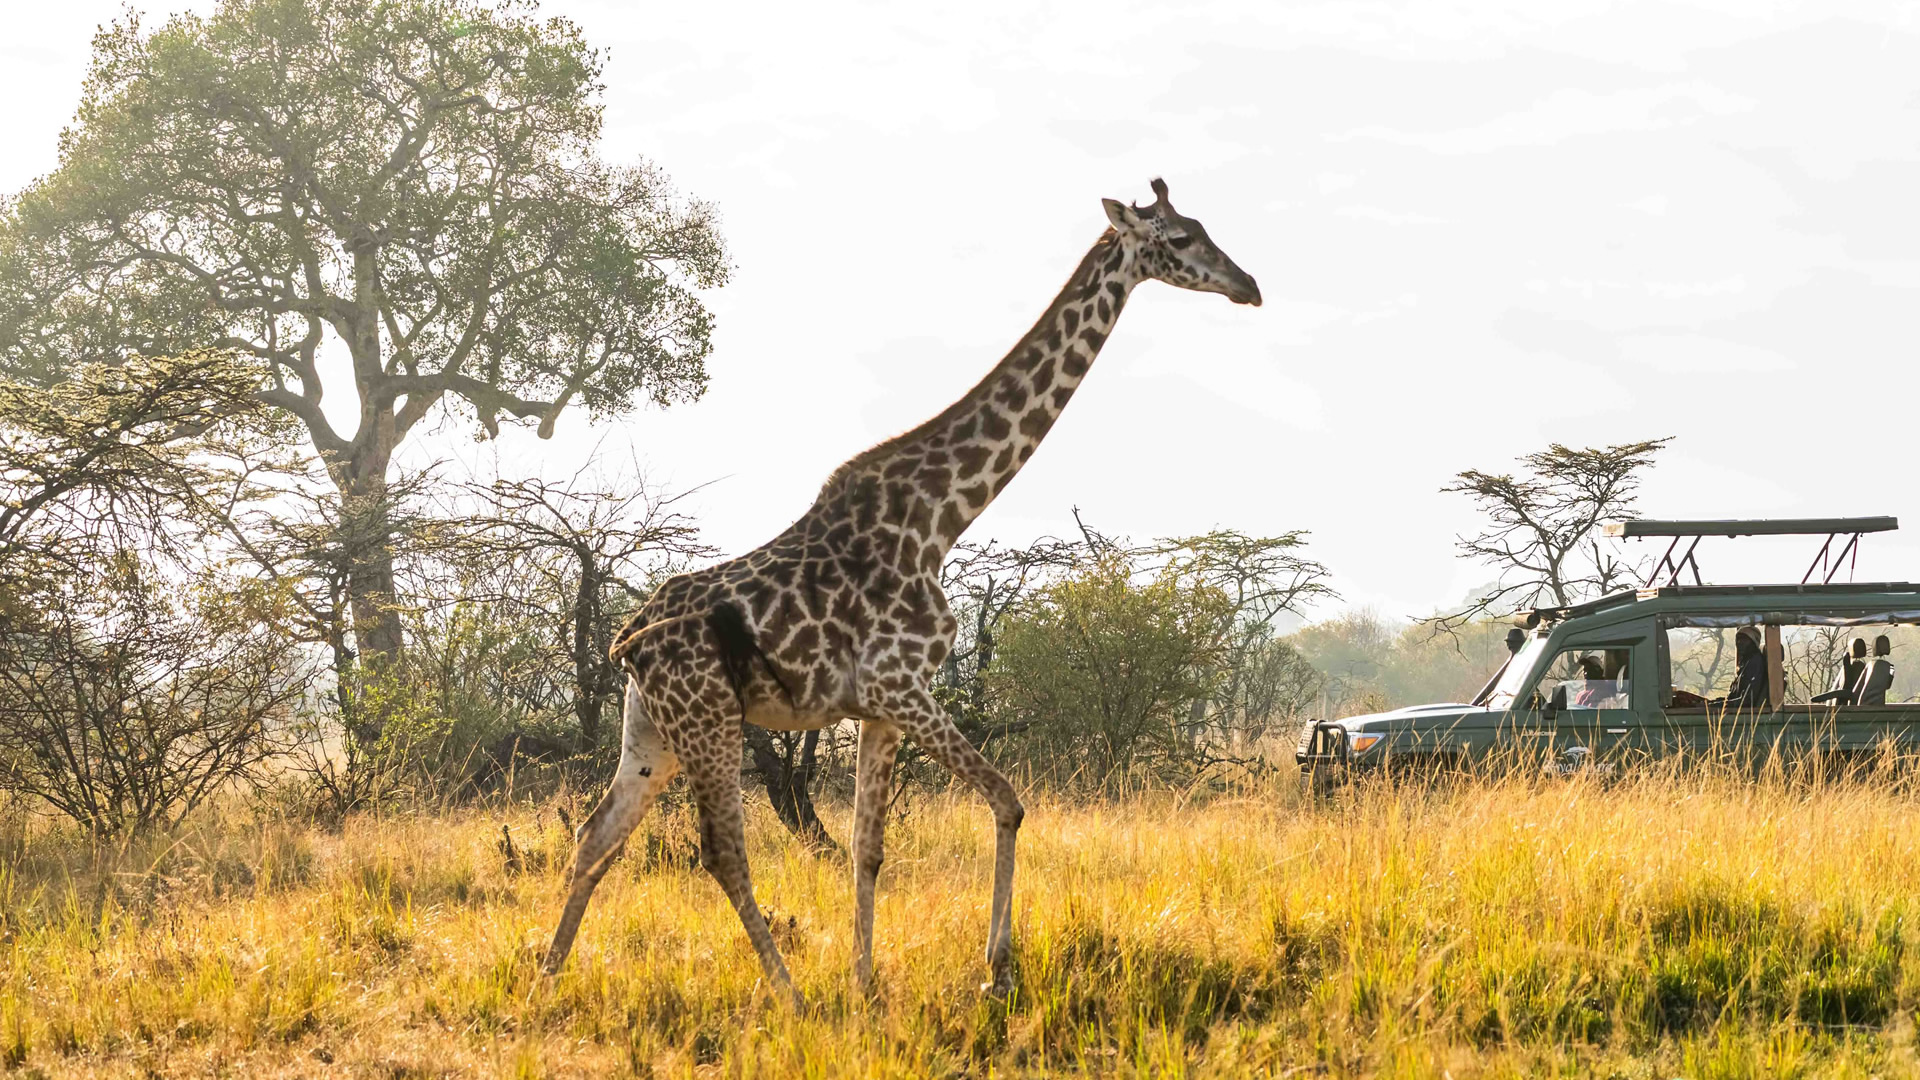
(1516, 672)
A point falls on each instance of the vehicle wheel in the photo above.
(1317, 785)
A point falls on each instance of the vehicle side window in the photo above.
(1823, 665)
(1593, 678)
(1701, 665)
(1847, 666)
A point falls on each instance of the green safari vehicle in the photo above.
(1606, 683)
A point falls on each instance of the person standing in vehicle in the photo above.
(1516, 640)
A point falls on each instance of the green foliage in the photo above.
(1101, 673)
(559, 567)
(1094, 661)
(146, 447)
(468, 661)
(418, 176)
(472, 702)
(415, 180)
(138, 675)
(1264, 691)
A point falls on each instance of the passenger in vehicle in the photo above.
(1846, 681)
(1749, 691)
(1594, 685)
(1879, 675)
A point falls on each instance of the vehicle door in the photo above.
(1847, 730)
(1860, 732)
(1585, 704)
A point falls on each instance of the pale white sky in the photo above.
(1478, 228)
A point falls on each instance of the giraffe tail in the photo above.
(739, 649)
(620, 653)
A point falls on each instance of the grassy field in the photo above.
(1694, 926)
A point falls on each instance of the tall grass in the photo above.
(1686, 922)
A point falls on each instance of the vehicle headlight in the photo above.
(1360, 744)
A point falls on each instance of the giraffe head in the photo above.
(1177, 250)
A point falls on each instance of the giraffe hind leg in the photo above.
(692, 688)
(646, 767)
(715, 777)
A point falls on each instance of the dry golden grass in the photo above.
(1693, 926)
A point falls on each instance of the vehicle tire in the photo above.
(1318, 785)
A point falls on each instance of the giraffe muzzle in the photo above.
(1245, 291)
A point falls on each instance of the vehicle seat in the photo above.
(1875, 683)
(1845, 682)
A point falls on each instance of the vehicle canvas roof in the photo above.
(1898, 601)
(1754, 527)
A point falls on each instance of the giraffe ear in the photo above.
(1120, 214)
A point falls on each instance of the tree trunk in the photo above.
(365, 538)
(367, 521)
(977, 693)
(345, 670)
(376, 625)
(790, 784)
(589, 681)
(361, 474)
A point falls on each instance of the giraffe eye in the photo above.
(1179, 243)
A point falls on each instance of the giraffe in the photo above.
(842, 615)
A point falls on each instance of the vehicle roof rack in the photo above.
(1850, 527)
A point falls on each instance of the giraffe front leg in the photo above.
(873, 784)
(646, 767)
(921, 717)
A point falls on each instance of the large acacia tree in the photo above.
(412, 185)
(1541, 522)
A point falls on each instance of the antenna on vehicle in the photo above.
(1671, 568)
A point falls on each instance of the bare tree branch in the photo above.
(1540, 527)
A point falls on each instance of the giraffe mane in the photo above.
(1089, 266)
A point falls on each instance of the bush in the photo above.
(126, 702)
(1102, 675)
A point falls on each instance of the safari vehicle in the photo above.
(1633, 675)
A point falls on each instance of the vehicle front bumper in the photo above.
(1325, 759)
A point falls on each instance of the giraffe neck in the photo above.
(935, 480)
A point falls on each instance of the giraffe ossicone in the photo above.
(841, 616)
